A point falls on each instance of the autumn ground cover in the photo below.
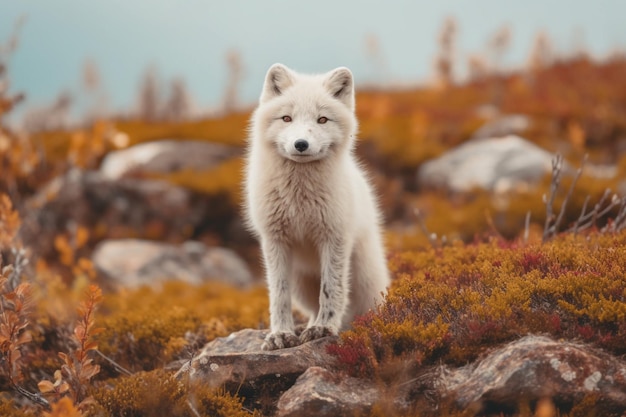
(487, 277)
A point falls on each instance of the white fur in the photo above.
(314, 212)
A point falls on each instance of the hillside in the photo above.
(473, 271)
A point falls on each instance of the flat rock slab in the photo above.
(320, 393)
(238, 364)
(238, 358)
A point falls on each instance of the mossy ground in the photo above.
(447, 305)
(145, 329)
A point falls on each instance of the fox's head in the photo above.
(306, 117)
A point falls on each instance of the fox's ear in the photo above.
(341, 86)
(277, 80)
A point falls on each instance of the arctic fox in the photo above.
(311, 207)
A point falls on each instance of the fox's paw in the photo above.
(316, 332)
(280, 340)
(299, 329)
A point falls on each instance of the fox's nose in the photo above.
(301, 145)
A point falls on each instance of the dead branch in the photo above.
(551, 227)
(432, 237)
(587, 220)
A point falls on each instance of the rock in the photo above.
(319, 392)
(537, 367)
(495, 164)
(238, 364)
(87, 198)
(131, 263)
(301, 381)
(502, 126)
(238, 358)
(121, 208)
(165, 156)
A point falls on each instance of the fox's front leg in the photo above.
(278, 267)
(333, 297)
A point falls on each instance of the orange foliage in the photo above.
(229, 129)
(224, 179)
(14, 319)
(450, 303)
(78, 368)
(63, 408)
(9, 222)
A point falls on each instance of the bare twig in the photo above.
(620, 220)
(619, 223)
(19, 264)
(36, 398)
(119, 368)
(557, 164)
(582, 216)
(570, 191)
(586, 220)
(432, 237)
(527, 227)
(193, 409)
(552, 224)
(492, 225)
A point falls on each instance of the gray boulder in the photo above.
(165, 156)
(126, 207)
(132, 263)
(537, 367)
(494, 164)
(320, 393)
(107, 208)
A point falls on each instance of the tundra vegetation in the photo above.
(470, 271)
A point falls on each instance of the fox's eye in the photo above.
(286, 119)
(322, 120)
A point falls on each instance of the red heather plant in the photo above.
(354, 355)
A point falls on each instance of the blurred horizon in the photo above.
(201, 44)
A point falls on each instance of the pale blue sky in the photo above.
(190, 38)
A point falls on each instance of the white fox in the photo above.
(310, 205)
